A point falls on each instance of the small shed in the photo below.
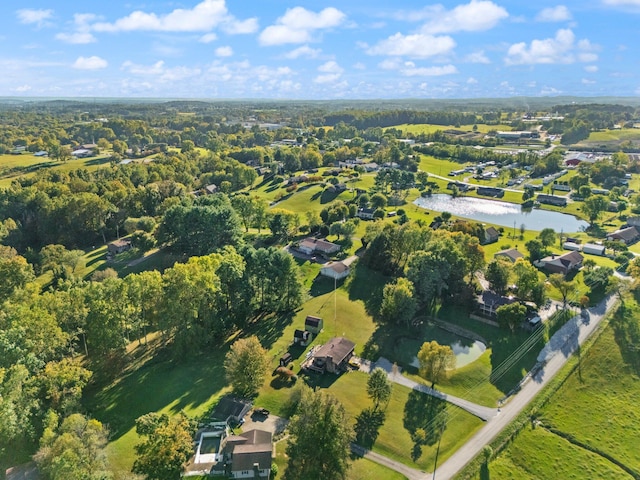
(285, 359)
(571, 246)
(119, 246)
(313, 324)
(302, 337)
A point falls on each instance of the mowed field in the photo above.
(590, 428)
(26, 165)
(418, 128)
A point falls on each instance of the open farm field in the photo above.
(589, 427)
(430, 128)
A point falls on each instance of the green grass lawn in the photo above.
(418, 128)
(361, 468)
(26, 165)
(537, 454)
(597, 405)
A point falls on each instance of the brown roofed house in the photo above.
(562, 263)
(333, 356)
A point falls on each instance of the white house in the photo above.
(338, 270)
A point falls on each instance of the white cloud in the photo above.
(204, 16)
(586, 81)
(160, 72)
(238, 27)
(390, 64)
(208, 38)
(559, 13)
(76, 38)
(29, 16)
(22, 88)
(304, 51)
(477, 57)
(298, 24)
(330, 67)
(359, 66)
(550, 91)
(418, 45)
(561, 49)
(225, 51)
(475, 16)
(591, 68)
(330, 72)
(411, 70)
(472, 81)
(90, 63)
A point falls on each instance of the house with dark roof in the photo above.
(250, 453)
(511, 254)
(231, 409)
(331, 357)
(313, 324)
(489, 302)
(563, 264)
(365, 213)
(490, 191)
(491, 235)
(627, 235)
(555, 200)
(220, 453)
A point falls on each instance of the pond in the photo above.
(501, 213)
(465, 353)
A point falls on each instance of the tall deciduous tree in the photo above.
(510, 316)
(246, 366)
(497, 274)
(73, 450)
(166, 446)
(594, 206)
(547, 236)
(398, 302)
(435, 360)
(564, 286)
(379, 387)
(321, 425)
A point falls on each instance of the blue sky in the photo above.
(319, 50)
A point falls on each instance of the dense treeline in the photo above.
(193, 305)
(367, 119)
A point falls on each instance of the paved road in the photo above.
(564, 345)
(410, 473)
(395, 375)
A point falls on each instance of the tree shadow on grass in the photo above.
(425, 418)
(367, 285)
(368, 425)
(506, 372)
(626, 331)
(157, 385)
(327, 196)
(269, 328)
(322, 285)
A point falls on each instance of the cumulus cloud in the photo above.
(37, 16)
(472, 81)
(477, 57)
(410, 70)
(562, 49)
(82, 34)
(330, 72)
(591, 68)
(208, 38)
(417, 45)
(475, 16)
(559, 13)
(90, 63)
(225, 51)
(204, 16)
(298, 24)
(304, 51)
(586, 81)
